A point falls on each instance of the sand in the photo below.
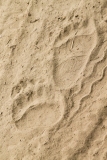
(53, 80)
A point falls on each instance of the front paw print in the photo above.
(30, 111)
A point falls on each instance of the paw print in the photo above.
(32, 109)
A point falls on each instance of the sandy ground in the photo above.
(53, 80)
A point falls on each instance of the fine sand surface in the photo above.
(53, 79)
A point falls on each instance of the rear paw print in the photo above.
(72, 50)
(29, 111)
(70, 60)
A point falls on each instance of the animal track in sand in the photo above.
(70, 59)
(41, 115)
(30, 110)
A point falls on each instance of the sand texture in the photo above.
(53, 79)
